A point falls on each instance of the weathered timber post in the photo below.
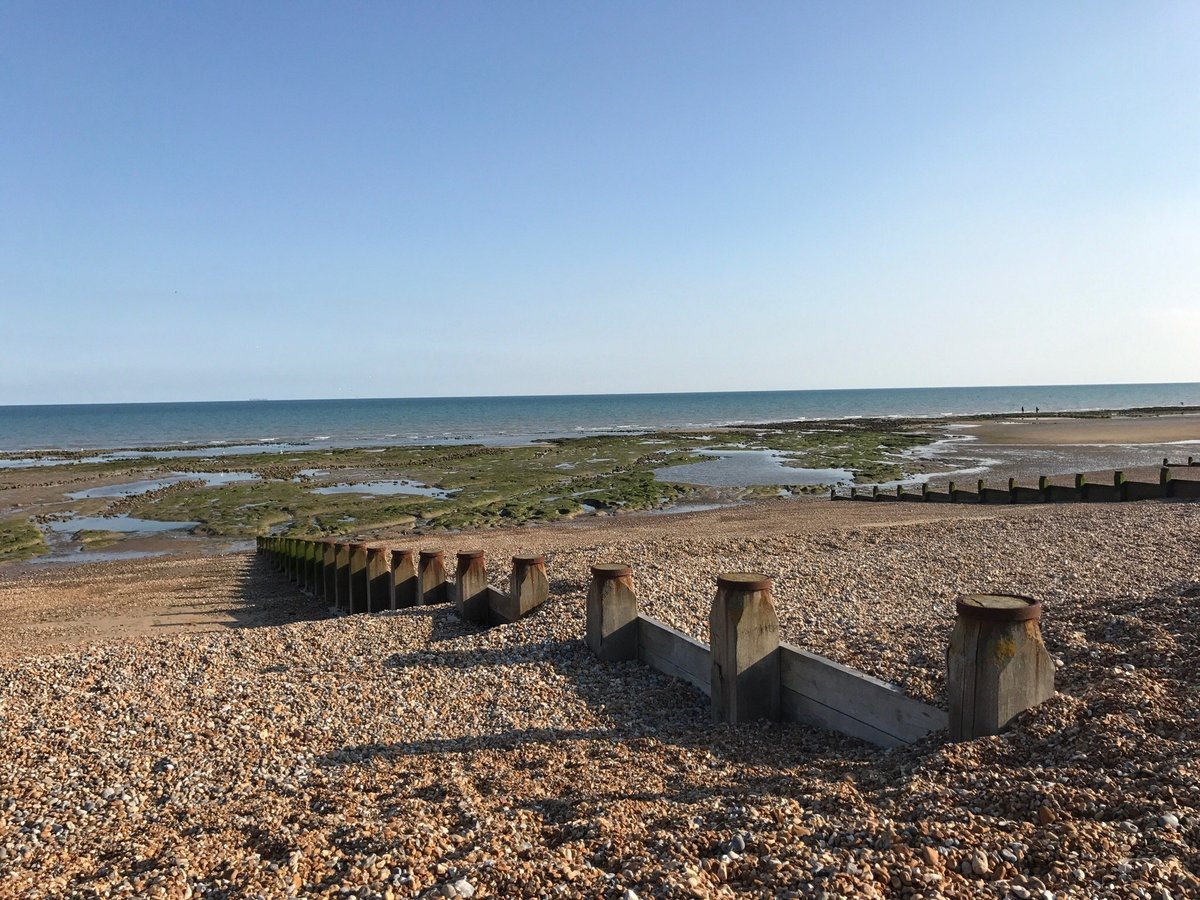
(528, 589)
(329, 571)
(612, 612)
(951, 489)
(899, 492)
(404, 580)
(1081, 490)
(470, 587)
(979, 489)
(745, 649)
(875, 492)
(925, 491)
(1165, 462)
(317, 568)
(359, 601)
(997, 664)
(853, 492)
(342, 579)
(1044, 487)
(379, 579)
(431, 577)
(310, 565)
(1119, 484)
(1012, 490)
(1164, 480)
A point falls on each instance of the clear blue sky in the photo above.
(232, 200)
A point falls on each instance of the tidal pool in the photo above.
(132, 488)
(123, 524)
(738, 468)
(376, 488)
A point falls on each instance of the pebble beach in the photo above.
(195, 727)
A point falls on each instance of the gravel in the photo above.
(407, 754)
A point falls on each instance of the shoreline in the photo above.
(252, 445)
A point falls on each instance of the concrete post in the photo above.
(342, 577)
(470, 587)
(997, 664)
(359, 599)
(431, 577)
(404, 580)
(379, 579)
(745, 643)
(612, 612)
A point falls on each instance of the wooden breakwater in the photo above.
(1116, 490)
(746, 671)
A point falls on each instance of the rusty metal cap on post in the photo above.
(432, 554)
(744, 581)
(999, 608)
(605, 571)
(528, 559)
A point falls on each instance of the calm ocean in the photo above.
(341, 423)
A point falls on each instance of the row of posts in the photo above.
(997, 663)
(361, 577)
(1045, 492)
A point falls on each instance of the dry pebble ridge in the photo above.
(406, 754)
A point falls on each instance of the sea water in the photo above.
(219, 428)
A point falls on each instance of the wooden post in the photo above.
(470, 587)
(342, 596)
(952, 491)
(853, 492)
(1164, 480)
(979, 490)
(317, 567)
(404, 580)
(359, 594)
(875, 492)
(431, 577)
(330, 571)
(925, 491)
(997, 664)
(1165, 463)
(379, 579)
(744, 631)
(1044, 487)
(612, 612)
(1012, 490)
(1119, 484)
(1081, 491)
(528, 589)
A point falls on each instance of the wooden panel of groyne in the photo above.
(1113, 490)
(997, 663)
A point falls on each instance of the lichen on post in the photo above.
(744, 631)
(997, 664)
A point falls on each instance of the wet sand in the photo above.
(1045, 432)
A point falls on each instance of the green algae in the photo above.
(20, 539)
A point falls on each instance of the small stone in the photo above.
(1046, 815)
(737, 844)
(930, 856)
(464, 888)
(630, 894)
(1168, 820)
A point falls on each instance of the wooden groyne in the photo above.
(1117, 489)
(747, 672)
